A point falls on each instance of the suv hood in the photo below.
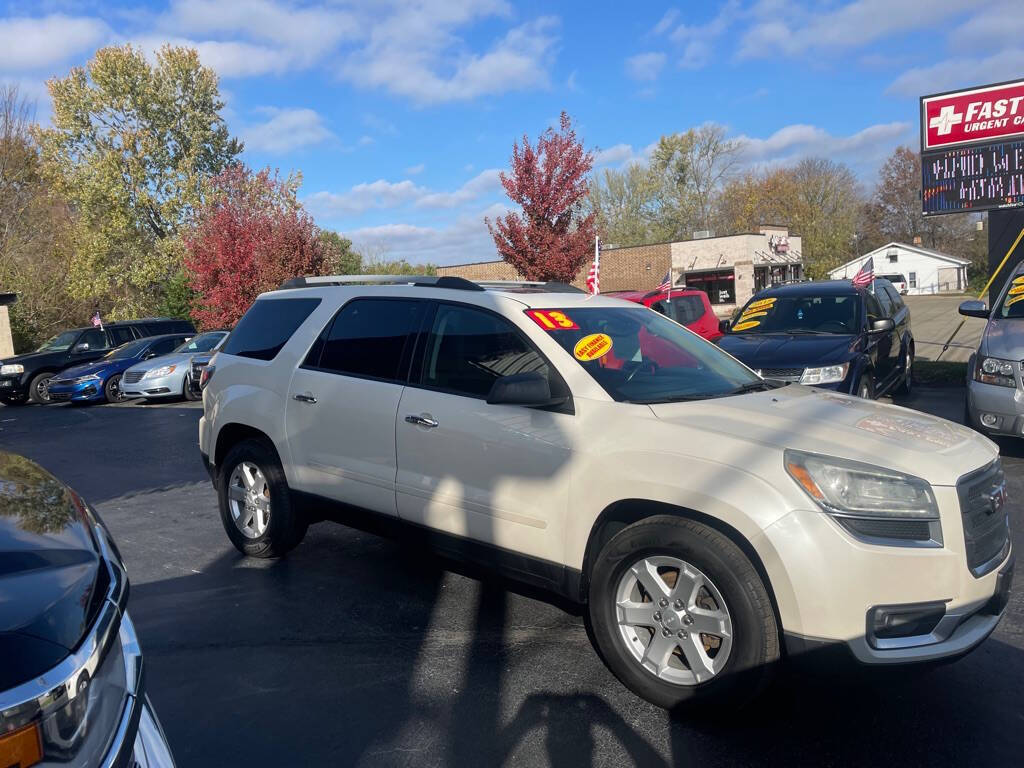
(1004, 338)
(49, 567)
(784, 350)
(834, 424)
(34, 358)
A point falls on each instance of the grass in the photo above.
(939, 373)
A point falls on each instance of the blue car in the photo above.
(100, 380)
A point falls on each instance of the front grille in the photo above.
(60, 397)
(133, 377)
(986, 522)
(782, 374)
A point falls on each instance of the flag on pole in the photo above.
(666, 282)
(866, 274)
(594, 275)
(97, 321)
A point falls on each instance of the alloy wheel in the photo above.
(673, 620)
(43, 389)
(249, 499)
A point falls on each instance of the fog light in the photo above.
(889, 622)
(990, 420)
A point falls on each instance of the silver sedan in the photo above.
(167, 375)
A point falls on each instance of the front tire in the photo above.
(186, 391)
(256, 509)
(681, 616)
(112, 389)
(907, 385)
(866, 387)
(39, 389)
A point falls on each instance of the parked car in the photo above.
(100, 380)
(195, 379)
(169, 375)
(707, 518)
(72, 689)
(995, 373)
(828, 334)
(27, 377)
(687, 306)
(899, 282)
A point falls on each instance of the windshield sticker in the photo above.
(552, 320)
(1014, 300)
(592, 347)
(760, 304)
(1017, 290)
(746, 325)
(748, 315)
(1018, 280)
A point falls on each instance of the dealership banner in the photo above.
(972, 149)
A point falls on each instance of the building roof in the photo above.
(916, 248)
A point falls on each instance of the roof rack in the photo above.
(536, 285)
(432, 281)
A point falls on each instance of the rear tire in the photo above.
(38, 390)
(256, 509)
(733, 602)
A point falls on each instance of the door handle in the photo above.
(305, 398)
(422, 421)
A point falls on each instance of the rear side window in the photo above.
(468, 350)
(368, 338)
(683, 309)
(884, 300)
(120, 335)
(267, 326)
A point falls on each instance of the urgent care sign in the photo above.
(987, 114)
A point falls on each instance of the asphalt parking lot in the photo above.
(357, 650)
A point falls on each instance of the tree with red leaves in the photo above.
(251, 235)
(551, 239)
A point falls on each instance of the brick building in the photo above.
(729, 269)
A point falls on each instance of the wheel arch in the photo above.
(625, 512)
(233, 433)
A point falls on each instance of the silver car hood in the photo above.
(1004, 338)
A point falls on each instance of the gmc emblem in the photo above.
(997, 498)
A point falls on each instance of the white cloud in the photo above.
(465, 240)
(958, 72)
(413, 170)
(645, 67)
(364, 197)
(287, 130)
(695, 41)
(417, 62)
(480, 185)
(622, 154)
(228, 59)
(998, 24)
(666, 21)
(37, 43)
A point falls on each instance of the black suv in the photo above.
(27, 377)
(828, 334)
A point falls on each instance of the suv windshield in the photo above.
(131, 349)
(799, 314)
(204, 342)
(639, 356)
(60, 343)
(1012, 305)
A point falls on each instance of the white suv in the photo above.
(712, 521)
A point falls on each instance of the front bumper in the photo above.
(1004, 403)
(80, 392)
(12, 388)
(163, 386)
(828, 583)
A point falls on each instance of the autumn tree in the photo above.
(130, 147)
(553, 237)
(340, 258)
(627, 205)
(251, 234)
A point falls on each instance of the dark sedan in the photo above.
(828, 334)
(71, 672)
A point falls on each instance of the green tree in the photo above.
(339, 256)
(627, 205)
(130, 148)
(383, 266)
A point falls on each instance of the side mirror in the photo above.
(884, 325)
(528, 389)
(974, 309)
(81, 347)
(149, 356)
(723, 326)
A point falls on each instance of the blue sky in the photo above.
(401, 114)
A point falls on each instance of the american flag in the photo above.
(666, 282)
(97, 321)
(594, 275)
(866, 275)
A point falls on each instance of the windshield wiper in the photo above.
(752, 386)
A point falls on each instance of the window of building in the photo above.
(468, 350)
(368, 338)
(719, 285)
(913, 279)
(267, 326)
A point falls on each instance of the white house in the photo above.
(926, 271)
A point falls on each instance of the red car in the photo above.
(687, 307)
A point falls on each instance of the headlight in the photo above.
(156, 373)
(11, 369)
(82, 379)
(992, 370)
(828, 374)
(851, 489)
